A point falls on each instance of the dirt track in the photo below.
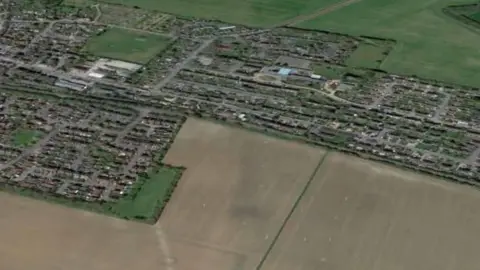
(233, 198)
(317, 13)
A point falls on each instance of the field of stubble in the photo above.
(365, 216)
(231, 201)
(234, 196)
(238, 193)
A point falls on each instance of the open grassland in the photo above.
(475, 16)
(368, 55)
(362, 215)
(247, 12)
(126, 45)
(430, 44)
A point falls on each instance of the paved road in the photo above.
(144, 112)
(38, 37)
(442, 109)
(386, 92)
(472, 159)
(181, 65)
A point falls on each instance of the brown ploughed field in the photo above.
(43, 236)
(234, 196)
(238, 190)
(365, 216)
(230, 203)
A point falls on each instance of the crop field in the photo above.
(430, 44)
(234, 195)
(226, 210)
(362, 215)
(475, 16)
(44, 236)
(247, 201)
(126, 45)
(248, 12)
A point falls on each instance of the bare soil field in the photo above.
(230, 203)
(44, 236)
(234, 196)
(362, 215)
(238, 190)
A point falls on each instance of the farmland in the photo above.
(44, 236)
(251, 12)
(126, 45)
(234, 195)
(426, 37)
(362, 215)
(247, 201)
(475, 16)
(238, 188)
(116, 138)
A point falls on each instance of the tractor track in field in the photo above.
(317, 13)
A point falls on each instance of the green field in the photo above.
(25, 137)
(329, 71)
(368, 56)
(430, 44)
(247, 12)
(150, 198)
(475, 16)
(126, 45)
(144, 203)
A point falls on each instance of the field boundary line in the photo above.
(292, 210)
(322, 11)
(164, 247)
(210, 246)
(398, 46)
